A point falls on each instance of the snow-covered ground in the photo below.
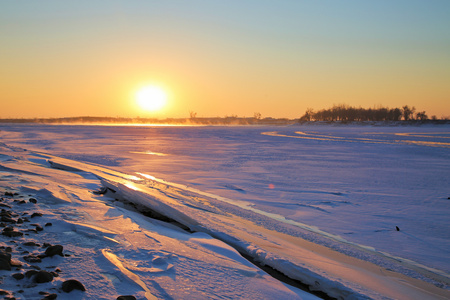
(277, 194)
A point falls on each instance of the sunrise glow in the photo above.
(151, 98)
(216, 60)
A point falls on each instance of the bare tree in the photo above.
(422, 116)
(308, 115)
(408, 113)
(347, 113)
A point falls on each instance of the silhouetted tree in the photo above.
(394, 114)
(422, 116)
(308, 115)
(408, 112)
(346, 113)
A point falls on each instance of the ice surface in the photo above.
(344, 187)
(114, 250)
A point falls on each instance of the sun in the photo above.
(151, 98)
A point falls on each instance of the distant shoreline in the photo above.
(209, 121)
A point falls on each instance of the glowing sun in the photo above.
(151, 98)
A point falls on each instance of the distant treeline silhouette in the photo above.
(346, 113)
(338, 113)
(193, 120)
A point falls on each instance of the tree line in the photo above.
(340, 113)
(346, 113)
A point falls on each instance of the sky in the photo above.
(222, 58)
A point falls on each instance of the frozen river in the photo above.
(347, 187)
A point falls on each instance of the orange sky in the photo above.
(63, 59)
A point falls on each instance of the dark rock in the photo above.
(8, 249)
(5, 260)
(19, 221)
(30, 273)
(35, 267)
(128, 297)
(39, 228)
(72, 284)
(16, 263)
(51, 296)
(31, 244)
(8, 219)
(12, 233)
(32, 258)
(9, 228)
(22, 202)
(32, 200)
(54, 250)
(46, 245)
(48, 224)
(396, 227)
(36, 214)
(10, 194)
(43, 276)
(58, 270)
(3, 292)
(18, 276)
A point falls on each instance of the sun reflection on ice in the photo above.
(147, 176)
(132, 186)
(149, 153)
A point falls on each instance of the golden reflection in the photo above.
(149, 153)
(147, 176)
(132, 186)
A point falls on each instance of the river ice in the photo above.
(345, 187)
